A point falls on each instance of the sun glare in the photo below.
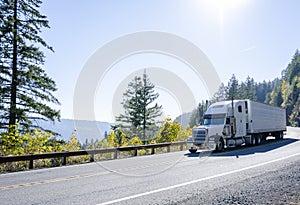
(227, 4)
(224, 7)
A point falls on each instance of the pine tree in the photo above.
(290, 90)
(233, 88)
(139, 105)
(26, 90)
(197, 114)
(220, 95)
(250, 89)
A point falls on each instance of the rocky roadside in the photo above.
(278, 187)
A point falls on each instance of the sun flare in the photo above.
(225, 7)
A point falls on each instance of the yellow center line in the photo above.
(48, 181)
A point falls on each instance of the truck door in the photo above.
(240, 115)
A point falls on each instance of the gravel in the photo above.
(281, 186)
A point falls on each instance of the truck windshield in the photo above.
(214, 119)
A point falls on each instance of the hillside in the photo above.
(84, 129)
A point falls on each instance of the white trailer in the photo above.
(233, 123)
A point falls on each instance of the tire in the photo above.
(279, 136)
(193, 150)
(253, 140)
(258, 139)
(220, 145)
(264, 138)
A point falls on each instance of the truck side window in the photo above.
(240, 108)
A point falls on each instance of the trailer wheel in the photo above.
(220, 145)
(279, 136)
(193, 150)
(264, 137)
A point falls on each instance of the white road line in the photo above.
(195, 181)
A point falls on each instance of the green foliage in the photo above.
(232, 91)
(35, 142)
(183, 134)
(26, 90)
(72, 144)
(117, 138)
(12, 142)
(197, 114)
(284, 91)
(289, 89)
(248, 90)
(140, 108)
(220, 95)
(169, 131)
(135, 141)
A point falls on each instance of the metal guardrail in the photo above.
(92, 153)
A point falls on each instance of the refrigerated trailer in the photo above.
(237, 122)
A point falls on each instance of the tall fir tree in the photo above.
(139, 105)
(289, 89)
(220, 95)
(233, 89)
(250, 89)
(26, 89)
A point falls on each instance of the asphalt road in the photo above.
(172, 178)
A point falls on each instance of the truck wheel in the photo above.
(253, 140)
(220, 145)
(192, 150)
(264, 138)
(258, 139)
(279, 136)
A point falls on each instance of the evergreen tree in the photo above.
(220, 95)
(139, 105)
(290, 90)
(197, 114)
(263, 90)
(233, 88)
(250, 91)
(26, 90)
(243, 94)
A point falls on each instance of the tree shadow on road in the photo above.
(266, 146)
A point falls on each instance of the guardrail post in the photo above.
(31, 164)
(152, 150)
(64, 161)
(92, 159)
(181, 147)
(168, 148)
(116, 154)
(135, 152)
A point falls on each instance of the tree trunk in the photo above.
(14, 79)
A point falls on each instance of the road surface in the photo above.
(171, 178)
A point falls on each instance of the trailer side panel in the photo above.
(265, 118)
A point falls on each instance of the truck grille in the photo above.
(199, 136)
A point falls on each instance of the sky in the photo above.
(255, 38)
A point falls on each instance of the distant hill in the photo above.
(84, 129)
(184, 119)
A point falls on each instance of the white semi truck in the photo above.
(234, 123)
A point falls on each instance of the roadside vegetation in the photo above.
(281, 92)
